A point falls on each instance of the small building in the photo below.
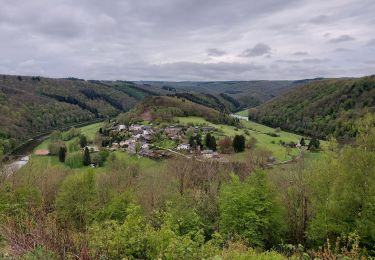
(208, 129)
(115, 145)
(136, 129)
(41, 152)
(173, 132)
(92, 148)
(183, 147)
(128, 142)
(121, 128)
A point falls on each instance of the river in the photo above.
(21, 155)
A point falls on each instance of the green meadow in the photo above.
(243, 112)
(39, 162)
(259, 132)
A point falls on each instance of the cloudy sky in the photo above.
(188, 39)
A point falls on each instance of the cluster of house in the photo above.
(139, 141)
(141, 136)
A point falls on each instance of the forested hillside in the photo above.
(245, 93)
(32, 105)
(321, 108)
(165, 108)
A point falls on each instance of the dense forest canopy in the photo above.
(321, 108)
(34, 105)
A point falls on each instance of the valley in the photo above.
(166, 170)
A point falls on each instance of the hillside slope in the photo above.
(32, 105)
(321, 108)
(245, 93)
(165, 108)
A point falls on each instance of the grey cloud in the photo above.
(164, 39)
(307, 61)
(342, 38)
(215, 52)
(342, 50)
(258, 50)
(327, 35)
(371, 43)
(184, 70)
(321, 19)
(301, 53)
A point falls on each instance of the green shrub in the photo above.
(54, 148)
(75, 201)
(74, 160)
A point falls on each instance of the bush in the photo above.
(54, 148)
(75, 202)
(239, 143)
(39, 253)
(251, 143)
(74, 160)
(62, 154)
(70, 134)
(225, 145)
(273, 134)
(97, 159)
(86, 160)
(255, 216)
(83, 141)
(314, 144)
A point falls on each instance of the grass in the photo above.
(89, 131)
(243, 113)
(259, 132)
(42, 162)
(144, 163)
(255, 130)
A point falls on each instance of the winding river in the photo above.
(21, 155)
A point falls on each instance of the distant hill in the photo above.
(245, 93)
(165, 108)
(320, 108)
(32, 105)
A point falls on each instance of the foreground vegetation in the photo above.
(186, 209)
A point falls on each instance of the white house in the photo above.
(183, 147)
(121, 128)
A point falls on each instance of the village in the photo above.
(156, 143)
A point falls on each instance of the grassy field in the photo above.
(89, 131)
(257, 131)
(42, 162)
(253, 129)
(243, 113)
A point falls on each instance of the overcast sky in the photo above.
(188, 39)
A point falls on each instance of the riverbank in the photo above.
(21, 155)
(28, 146)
